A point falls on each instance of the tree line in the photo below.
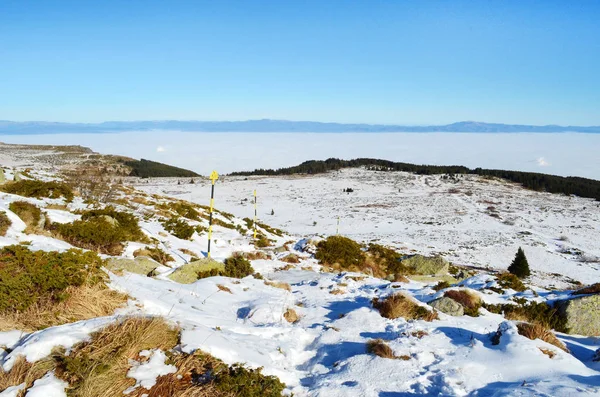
(582, 187)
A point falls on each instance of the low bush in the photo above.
(262, 241)
(531, 312)
(29, 213)
(441, 285)
(468, 299)
(34, 277)
(509, 280)
(539, 331)
(103, 230)
(341, 251)
(179, 228)
(590, 289)
(236, 266)
(38, 189)
(185, 210)
(399, 305)
(4, 223)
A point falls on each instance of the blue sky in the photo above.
(405, 62)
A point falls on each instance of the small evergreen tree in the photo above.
(519, 266)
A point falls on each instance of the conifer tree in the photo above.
(519, 266)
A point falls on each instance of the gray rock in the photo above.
(140, 265)
(448, 306)
(280, 250)
(17, 177)
(434, 266)
(581, 314)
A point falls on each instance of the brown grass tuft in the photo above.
(539, 331)
(548, 352)
(252, 256)
(291, 258)
(291, 316)
(83, 302)
(400, 305)
(223, 288)
(99, 367)
(279, 284)
(590, 289)
(468, 299)
(24, 372)
(337, 291)
(379, 348)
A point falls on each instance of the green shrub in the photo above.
(532, 312)
(29, 213)
(245, 382)
(185, 210)
(441, 285)
(27, 277)
(339, 250)
(4, 223)
(519, 266)
(262, 241)
(179, 228)
(104, 230)
(38, 189)
(509, 280)
(235, 266)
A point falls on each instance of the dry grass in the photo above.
(223, 288)
(419, 334)
(4, 223)
(539, 331)
(400, 305)
(252, 256)
(337, 291)
(470, 301)
(548, 352)
(399, 278)
(286, 267)
(99, 367)
(590, 289)
(184, 382)
(291, 258)
(83, 302)
(24, 372)
(291, 316)
(379, 348)
(188, 252)
(279, 284)
(62, 207)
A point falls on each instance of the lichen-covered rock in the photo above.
(2, 176)
(140, 265)
(434, 266)
(581, 314)
(448, 306)
(188, 273)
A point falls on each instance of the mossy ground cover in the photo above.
(39, 189)
(5, 223)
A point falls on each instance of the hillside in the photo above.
(110, 289)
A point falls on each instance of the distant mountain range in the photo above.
(266, 125)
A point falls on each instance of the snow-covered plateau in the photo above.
(477, 224)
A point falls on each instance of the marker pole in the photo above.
(213, 177)
(255, 214)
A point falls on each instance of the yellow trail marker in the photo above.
(213, 178)
(254, 214)
(338, 226)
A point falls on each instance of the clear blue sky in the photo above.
(406, 62)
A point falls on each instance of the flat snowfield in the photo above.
(469, 220)
(563, 154)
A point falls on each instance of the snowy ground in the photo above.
(471, 221)
(323, 354)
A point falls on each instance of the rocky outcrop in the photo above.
(188, 273)
(423, 265)
(140, 265)
(581, 314)
(448, 306)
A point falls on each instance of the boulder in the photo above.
(140, 265)
(17, 177)
(448, 306)
(2, 176)
(581, 314)
(433, 266)
(188, 273)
